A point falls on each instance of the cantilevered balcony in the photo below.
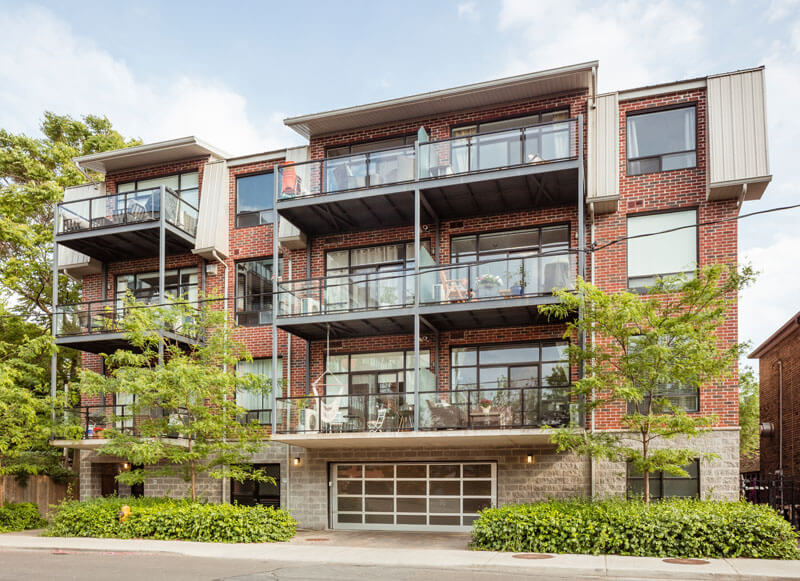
(96, 327)
(485, 413)
(504, 292)
(127, 225)
(487, 173)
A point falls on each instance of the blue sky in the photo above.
(231, 73)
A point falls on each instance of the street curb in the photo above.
(559, 566)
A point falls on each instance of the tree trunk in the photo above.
(192, 473)
(647, 487)
(2, 487)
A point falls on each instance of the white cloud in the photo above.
(45, 65)
(628, 38)
(469, 11)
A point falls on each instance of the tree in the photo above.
(33, 175)
(187, 422)
(24, 424)
(749, 413)
(643, 348)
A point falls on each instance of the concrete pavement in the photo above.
(387, 558)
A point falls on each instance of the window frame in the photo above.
(179, 273)
(257, 495)
(237, 296)
(405, 137)
(539, 113)
(265, 216)
(643, 289)
(179, 191)
(399, 370)
(263, 415)
(538, 363)
(650, 110)
(661, 478)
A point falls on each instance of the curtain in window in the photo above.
(254, 400)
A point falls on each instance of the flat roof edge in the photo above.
(778, 335)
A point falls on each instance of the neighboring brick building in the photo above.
(418, 237)
(779, 400)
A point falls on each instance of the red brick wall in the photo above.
(671, 190)
(788, 352)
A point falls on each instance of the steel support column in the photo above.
(417, 287)
(581, 244)
(162, 258)
(54, 316)
(275, 305)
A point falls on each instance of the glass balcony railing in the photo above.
(350, 172)
(475, 408)
(96, 420)
(126, 208)
(93, 317)
(535, 144)
(519, 276)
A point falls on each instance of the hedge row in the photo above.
(669, 528)
(166, 519)
(20, 516)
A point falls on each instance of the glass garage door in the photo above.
(412, 496)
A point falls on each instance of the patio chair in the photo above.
(453, 289)
(376, 425)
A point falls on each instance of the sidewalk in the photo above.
(559, 566)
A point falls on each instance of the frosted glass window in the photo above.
(669, 253)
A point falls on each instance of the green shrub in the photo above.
(20, 516)
(164, 518)
(669, 528)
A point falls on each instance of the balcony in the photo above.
(481, 414)
(487, 173)
(504, 292)
(126, 224)
(96, 327)
(95, 421)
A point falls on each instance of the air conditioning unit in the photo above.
(264, 317)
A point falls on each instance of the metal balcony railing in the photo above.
(96, 420)
(126, 208)
(541, 143)
(93, 317)
(535, 274)
(474, 408)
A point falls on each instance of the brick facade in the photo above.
(552, 475)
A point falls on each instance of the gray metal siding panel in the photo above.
(604, 148)
(212, 223)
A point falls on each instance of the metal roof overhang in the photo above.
(148, 154)
(110, 342)
(501, 312)
(138, 240)
(483, 193)
(548, 82)
(421, 439)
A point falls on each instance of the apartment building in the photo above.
(389, 274)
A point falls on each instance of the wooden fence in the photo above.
(39, 489)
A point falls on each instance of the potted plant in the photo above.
(519, 288)
(486, 405)
(489, 283)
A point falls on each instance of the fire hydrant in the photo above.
(124, 512)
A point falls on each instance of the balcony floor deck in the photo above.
(129, 241)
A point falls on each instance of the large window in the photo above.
(185, 185)
(510, 261)
(525, 384)
(371, 277)
(665, 485)
(518, 365)
(662, 140)
(509, 144)
(681, 396)
(257, 401)
(254, 292)
(655, 255)
(252, 493)
(254, 199)
(370, 146)
(178, 283)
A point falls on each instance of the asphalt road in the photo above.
(87, 566)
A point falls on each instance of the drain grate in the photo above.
(318, 540)
(532, 556)
(686, 561)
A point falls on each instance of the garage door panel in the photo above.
(411, 496)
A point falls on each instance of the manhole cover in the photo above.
(532, 556)
(316, 540)
(686, 561)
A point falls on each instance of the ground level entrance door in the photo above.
(411, 496)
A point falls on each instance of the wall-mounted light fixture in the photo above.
(531, 459)
(296, 461)
(126, 466)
